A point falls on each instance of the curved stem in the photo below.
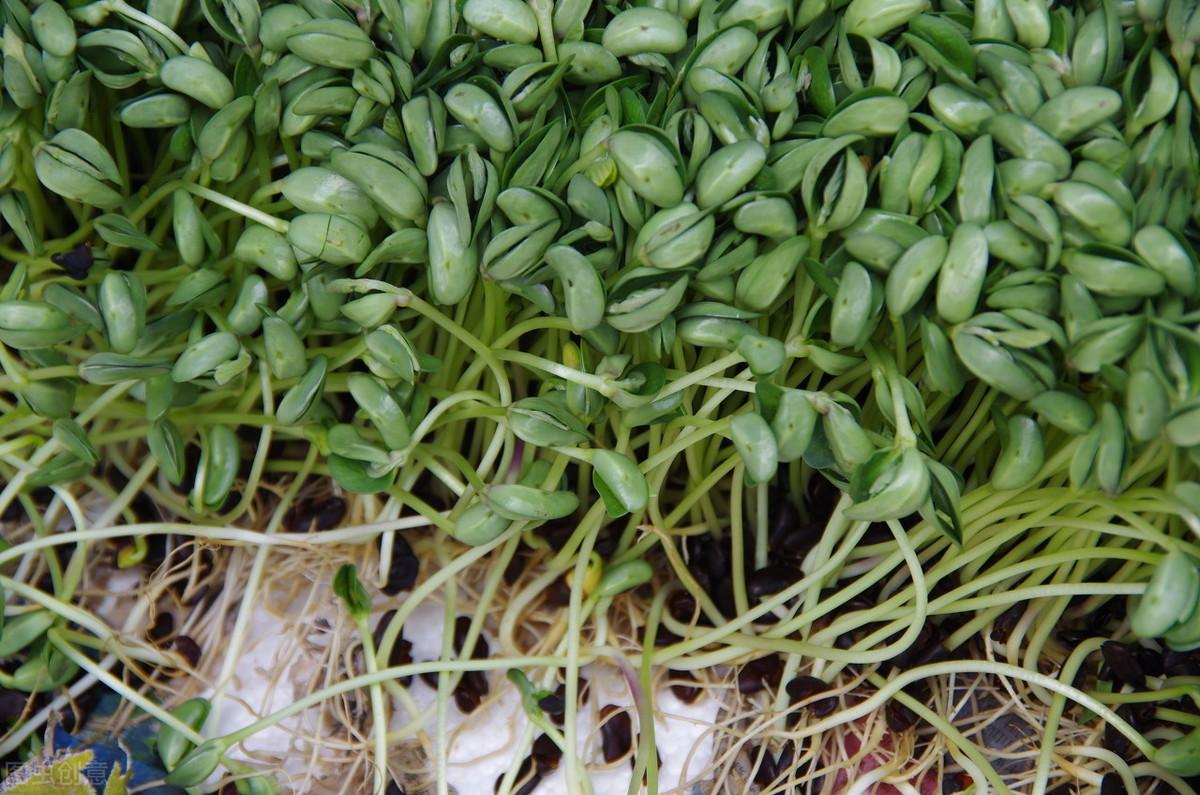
(880, 697)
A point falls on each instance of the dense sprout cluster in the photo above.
(629, 269)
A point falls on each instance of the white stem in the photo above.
(881, 696)
(232, 654)
(244, 210)
(116, 685)
(380, 719)
(345, 535)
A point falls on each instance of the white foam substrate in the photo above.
(481, 748)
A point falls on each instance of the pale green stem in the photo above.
(344, 535)
(527, 360)
(237, 637)
(880, 698)
(984, 772)
(244, 210)
(117, 686)
(385, 675)
(379, 725)
(83, 619)
(51, 446)
(1050, 730)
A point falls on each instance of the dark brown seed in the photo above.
(616, 732)
(76, 262)
(475, 682)
(404, 568)
(724, 597)
(820, 498)
(759, 674)
(783, 514)
(1111, 785)
(792, 535)
(529, 786)
(856, 605)
(1151, 661)
(685, 692)
(466, 698)
(707, 560)
(1115, 741)
(555, 704)
(462, 625)
(515, 568)
(545, 754)
(803, 688)
(633, 763)
(189, 648)
(12, 704)
(558, 594)
(161, 629)
(1141, 716)
(682, 606)
(928, 636)
(381, 627)
(401, 655)
(1102, 618)
(794, 545)
(401, 649)
(770, 580)
(767, 770)
(323, 514)
(934, 652)
(1123, 662)
(823, 707)
(394, 789)
(473, 685)
(899, 717)
(1178, 663)
(527, 778)
(1006, 622)
(786, 759)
